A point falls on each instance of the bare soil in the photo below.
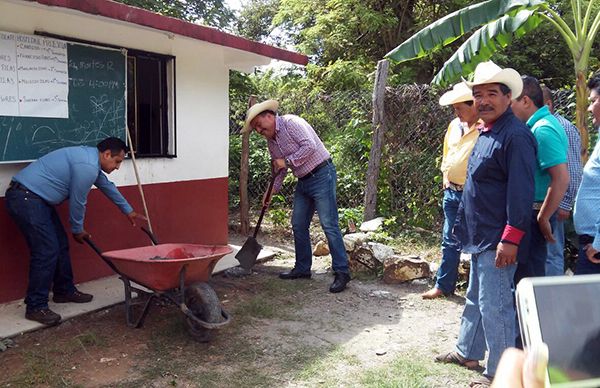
(283, 333)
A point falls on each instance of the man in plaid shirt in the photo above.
(555, 264)
(293, 144)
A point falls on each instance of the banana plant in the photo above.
(496, 23)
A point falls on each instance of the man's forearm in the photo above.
(556, 192)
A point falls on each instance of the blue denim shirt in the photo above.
(70, 173)
(500, 185)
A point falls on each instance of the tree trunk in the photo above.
(581, 112)
(244, 168)
(377, 139)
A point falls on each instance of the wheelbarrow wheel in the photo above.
(204, 303)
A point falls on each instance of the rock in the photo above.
(353, 239)
(381, 252)
(372, 225)
(362, 259)
(321, 249)
(399, 269)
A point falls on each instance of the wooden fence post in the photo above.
(244, 168)
(377, 139)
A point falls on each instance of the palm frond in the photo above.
(451, 27)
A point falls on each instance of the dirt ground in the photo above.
(283, 333)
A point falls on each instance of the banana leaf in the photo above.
(484, 43)
(451, 27)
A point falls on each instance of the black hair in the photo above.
(264, 112)
(114, 144)
(547, 94)
(594, 83)
(504, 89)
(532, 89)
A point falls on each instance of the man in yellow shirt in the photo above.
(458, 144)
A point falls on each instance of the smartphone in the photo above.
(564, 313)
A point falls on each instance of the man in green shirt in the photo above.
(551, 176)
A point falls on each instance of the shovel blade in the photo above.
(249, 253)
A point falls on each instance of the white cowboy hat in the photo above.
(257, 109)
(490, 73)
(459, 93)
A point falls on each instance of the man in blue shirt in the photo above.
(586, 214)
(67, 173)
(555, 262)
(551, 176)
(493, 216)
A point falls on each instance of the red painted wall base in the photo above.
(181, 212)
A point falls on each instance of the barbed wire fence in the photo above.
(410, 182)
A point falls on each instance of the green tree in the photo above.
(213, 13)
(498, 21)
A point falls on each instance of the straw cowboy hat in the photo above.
(257, 109)
(459, 93)
(490, 73)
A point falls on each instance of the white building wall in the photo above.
(202, 78)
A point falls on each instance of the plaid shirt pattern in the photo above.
(573, 162)
(297, 142)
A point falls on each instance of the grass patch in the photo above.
(415, 371)
(322, 364)
(42, 368)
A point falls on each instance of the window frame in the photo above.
(168, 88)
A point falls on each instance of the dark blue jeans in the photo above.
(49, 263)
(317, 192)
(533, 251)
(584, 265)
(448, 271)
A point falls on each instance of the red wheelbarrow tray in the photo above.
(163, 274)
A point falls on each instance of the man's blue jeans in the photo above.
(584, 265)
(533, 251)
(448, 271)
(49, 263)
(555, 262)
(317, 192)
(489, 318)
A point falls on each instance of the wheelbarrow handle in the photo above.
(99, 252)
(150, 234)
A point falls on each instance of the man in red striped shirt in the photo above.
(293, 144)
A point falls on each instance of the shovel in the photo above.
(251, 248)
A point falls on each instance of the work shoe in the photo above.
(295, 274)
(76, 297)
(340, 281)
(44, 316)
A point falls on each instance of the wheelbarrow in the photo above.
(173, 272)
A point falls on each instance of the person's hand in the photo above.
(506, 254)
(278, 165)
(562, 214)
(546, 228)
(518, 369)
(133, 216)
(81, 236)
(590, 252)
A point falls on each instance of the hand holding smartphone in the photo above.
(564, 313)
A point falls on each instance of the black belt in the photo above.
(17, 186)
(314, 170)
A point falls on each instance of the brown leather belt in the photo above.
(314, 170)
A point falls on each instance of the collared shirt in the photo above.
(552, 148)
(573, 162)
(498, 194)
(297, 142)
(586, 213)
(458, 144)
(69, 173)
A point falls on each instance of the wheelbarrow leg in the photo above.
(130, 304)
